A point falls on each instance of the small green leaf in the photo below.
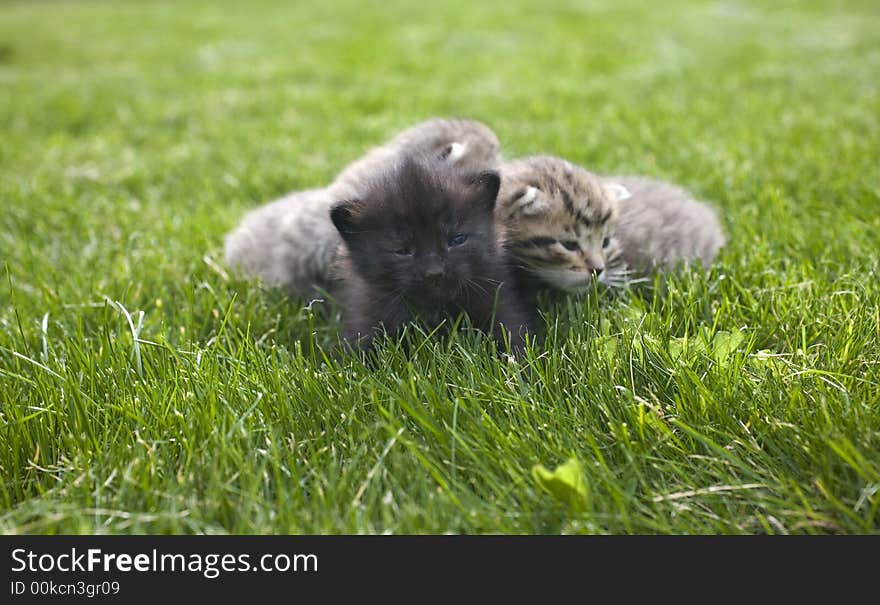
(768, 359)
(726, 343)
(566, 483)
(607, 345)
(719, 347)
(686, 346)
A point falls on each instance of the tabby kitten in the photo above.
(557, 220)
(420, 245)
(565, 226)
(291, 243)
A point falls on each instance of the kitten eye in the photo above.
(458, 240)
(403, 252)
(606, 242)
(570, 245)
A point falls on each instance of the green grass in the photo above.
(135, 135)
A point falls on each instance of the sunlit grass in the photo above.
(143, 390)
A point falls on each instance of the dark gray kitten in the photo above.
(291, 242)
(420, 246)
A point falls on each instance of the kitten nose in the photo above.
(594, 262)
(433, 273)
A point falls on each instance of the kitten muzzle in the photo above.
(433, 275)
(435, 288)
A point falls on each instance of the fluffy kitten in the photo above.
(288, 243)
(469, 145)
(557, 220)
(659, 225)
(420, 245)
(291, 243)
(566, 226)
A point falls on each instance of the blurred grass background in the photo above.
(134, 135)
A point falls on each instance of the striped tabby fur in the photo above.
(556, 220)
(564, 226)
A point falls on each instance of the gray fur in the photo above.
(660, 226)
(287, 243)
(480, 151)
(291, 242)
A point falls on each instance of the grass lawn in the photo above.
(144, 390)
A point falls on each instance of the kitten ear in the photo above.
(487, 184)
(617, 192)
(344, 215)
(453, 152)
(528, 201)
